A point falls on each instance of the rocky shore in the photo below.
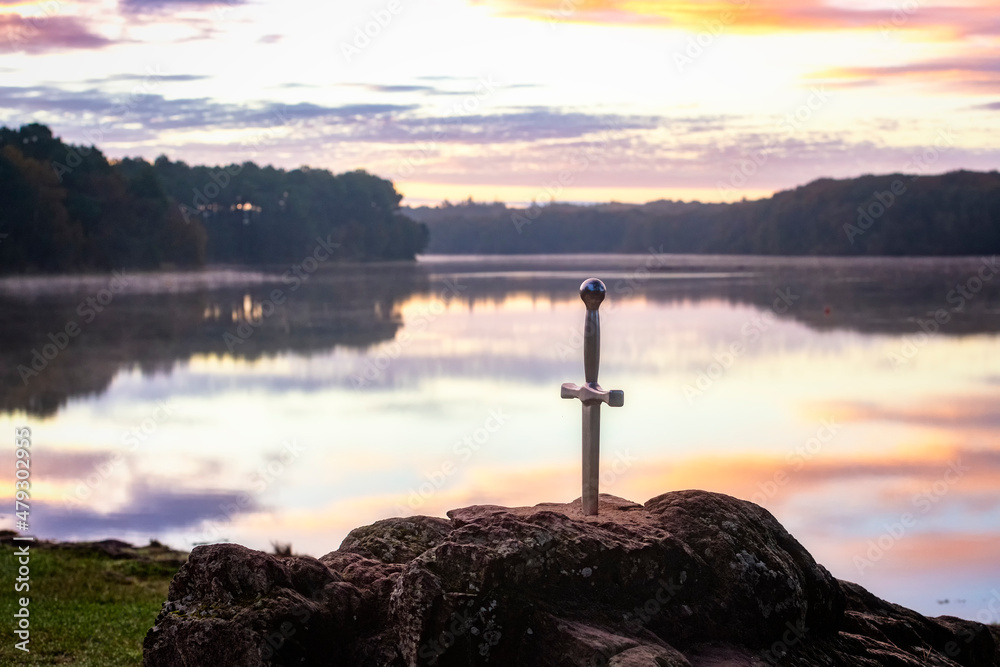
(689, 579)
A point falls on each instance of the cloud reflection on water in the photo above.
(373, 451)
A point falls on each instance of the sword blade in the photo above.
(591, 456)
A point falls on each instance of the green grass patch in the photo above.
(87, 608)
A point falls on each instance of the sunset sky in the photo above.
(520, 100)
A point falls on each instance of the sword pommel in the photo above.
(592, 292)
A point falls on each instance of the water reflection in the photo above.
(152, 327)
(809, 386)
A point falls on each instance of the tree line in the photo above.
(69, 208)
(957, 213)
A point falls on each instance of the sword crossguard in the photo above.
(592, 394)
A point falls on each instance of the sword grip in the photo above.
(591, 345)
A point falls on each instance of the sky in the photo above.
(520, 100)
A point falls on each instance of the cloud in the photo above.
(684, 153)
(97, 109)
(75, 465)
(385, 123)
(521, 124)
(975, 74)
(947, 412)
(467, 89)
(152, 509)
(399, 89)
(56, 33)
(753, 17)
(270, 39)
(138, 6)
(747, 476)
(445, 77)
(622, 150)
(128, 78)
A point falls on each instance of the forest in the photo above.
(69, 208)
(957, 213)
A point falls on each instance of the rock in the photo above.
(690, 579)
(229, 605)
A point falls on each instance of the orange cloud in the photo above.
(753, 16)
(977, 75)
(772, 480)
(971, 412)
(767, 479)
(914, 555)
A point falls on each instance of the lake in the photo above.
(856, 399)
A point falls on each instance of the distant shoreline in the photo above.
(952, 214)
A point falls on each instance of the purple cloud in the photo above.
(133, 6)
(38, 35)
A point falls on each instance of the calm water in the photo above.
(193, 407)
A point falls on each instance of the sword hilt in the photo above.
(592, 292)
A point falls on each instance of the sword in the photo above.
(591, 394)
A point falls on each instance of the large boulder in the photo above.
(689, 579)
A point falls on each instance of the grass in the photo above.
(90, 606)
